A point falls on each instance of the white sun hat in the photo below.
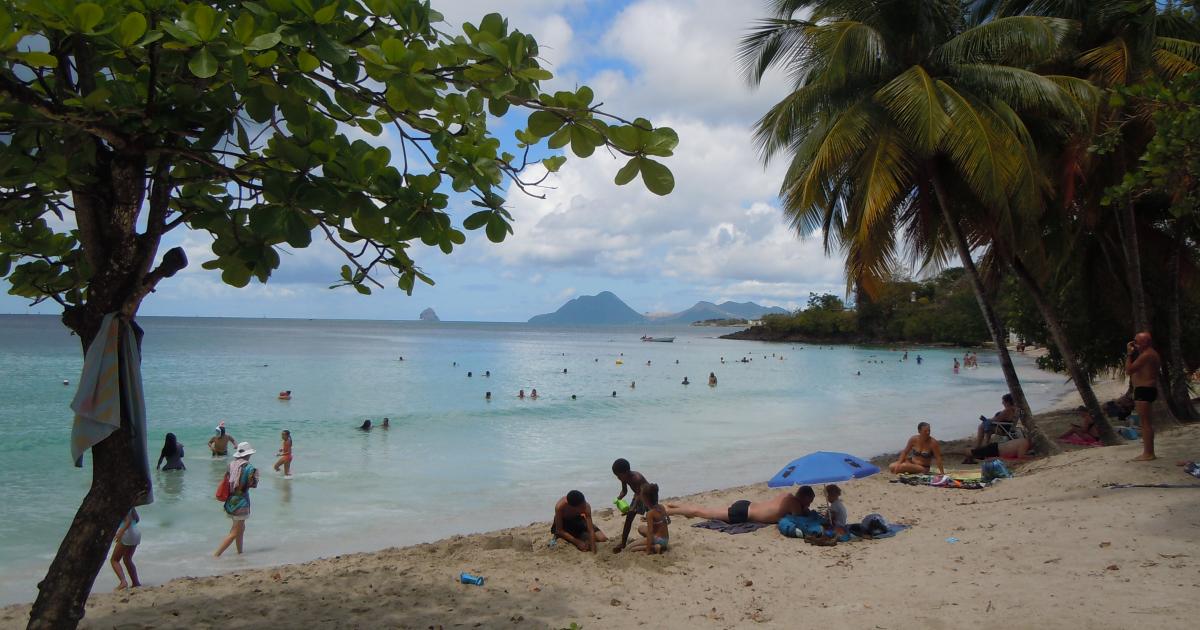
(244, 450)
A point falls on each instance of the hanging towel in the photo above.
(97, 404)
(112, 382)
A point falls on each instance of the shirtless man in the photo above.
(1007, 415)
(743, 511)
(573, 522)
(1141, 364)
(219, 444)
(630, 480)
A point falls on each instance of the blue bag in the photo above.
(994, 469)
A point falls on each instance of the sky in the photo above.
(719, 236)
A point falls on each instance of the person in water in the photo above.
(285, 454)
(712, 379)
(533, 394)
(685, 381)
(630, 480)
(573, 522)
(919, 453)
(521, 394)
(614, 393)
(242, 477)
(744, 511)
(387, 424)
(125, 543)
(365, 426)
(956, 365)
(219, 444)
(632, 384)
(172, 452)
(655, 535)
(285, 395)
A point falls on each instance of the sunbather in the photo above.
(919, 453)
(1086, 428)
(1013, 449)
(746, 511)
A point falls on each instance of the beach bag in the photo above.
(994, 469)
(223, 488)
(796, 526)
(238, 503)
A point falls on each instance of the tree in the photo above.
(133, 119)
(892, 100)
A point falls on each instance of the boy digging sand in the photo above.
(630, 480)
(573, 522)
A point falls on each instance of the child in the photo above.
(656, 538)
(285, 453)
(837, 511)
(630, 480)
(125, 542)
(573, 522)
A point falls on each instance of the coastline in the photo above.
(1050, 525)
(1046, 539)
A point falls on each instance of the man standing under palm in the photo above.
(1141, 364)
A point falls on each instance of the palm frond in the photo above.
(846, 51)
(1024, 90)
(1110, 63)
(975, 146)
(792, 119)
(883, 178)
(1176, 57)
(1085, 93)
(772, 42)
(913, 102)
(1023, 40)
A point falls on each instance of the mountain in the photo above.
(726, 310)
(602, 308)
(750, 310)
(428, 315)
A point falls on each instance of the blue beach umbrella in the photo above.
(822, 467)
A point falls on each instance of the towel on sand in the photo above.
(728, 528)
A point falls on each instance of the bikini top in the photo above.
(922, 454)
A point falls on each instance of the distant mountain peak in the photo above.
(428, 315)
(606, 308)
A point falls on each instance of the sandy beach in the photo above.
(1050, 548)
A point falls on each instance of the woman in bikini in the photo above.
(919, 453)
(285, 453)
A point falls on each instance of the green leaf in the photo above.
(583, 140)
(477, 220)
(628, 172)
(264, 41)
(132, 29)
(38, 59)
(657, 177)
(370, 125)
(243, 28)
(543, 123)
(362, 288)
(307, 62)
(207, 22)
(203, 64)
(497, 228)
(560, 138)
(552, 164)
(86, 16)
(325, 14)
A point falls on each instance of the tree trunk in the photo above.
(1179, 396)
(115, 487)
(1082, 382)
(1133, 265)
(1036, 436)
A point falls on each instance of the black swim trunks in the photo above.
(576, 526)
(739, 512)
(1145, 394)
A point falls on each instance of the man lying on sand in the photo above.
(745, 511)
(573, 522)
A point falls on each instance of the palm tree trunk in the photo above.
(1082, 382)
(1178, 397)
(1036, 436)
(1133, 265)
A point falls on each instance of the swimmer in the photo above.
(366, 426)
(712, 379)
(285, 395)
(521, 394)
(685, 381)
(219, 444)
(564, 370)
(488, 373)
(386, 424)
(487, 396)
(285, 454)
(647, 365)
(614, 393)
(401, 358)
(66, 382)
(533, 394)
(632, 384)
(572, 396)
(469, 375)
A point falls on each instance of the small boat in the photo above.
(660, 339)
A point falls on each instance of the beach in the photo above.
(1050, 548)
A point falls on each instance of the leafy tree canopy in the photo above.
(247, 120)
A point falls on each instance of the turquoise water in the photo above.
(452, 462)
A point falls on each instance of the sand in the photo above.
(1051, 548)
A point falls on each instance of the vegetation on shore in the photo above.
(1045, 145)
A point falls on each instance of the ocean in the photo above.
(452, 462)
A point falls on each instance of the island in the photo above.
(428, 315)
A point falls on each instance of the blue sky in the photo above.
(720, 235)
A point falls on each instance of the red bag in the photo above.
(223, 489)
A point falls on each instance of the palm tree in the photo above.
(1123, 42)
(895, 100)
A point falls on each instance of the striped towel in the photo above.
(97, 404)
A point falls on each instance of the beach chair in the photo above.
(1005, 431)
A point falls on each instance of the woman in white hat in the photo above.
(242, 476)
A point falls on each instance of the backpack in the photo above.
(994, 469)
(223, 488)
